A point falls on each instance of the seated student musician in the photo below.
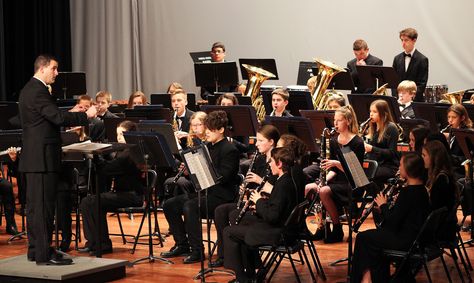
(471, 99)
(417, 137)
(406, 93)
(280, 98)
(264, 226)
(382, 135)
(225, 157)
(441, 186)
(362, 58)
(256, 172)
(136, 98)
(126, 192)
(402, 221)
(173, 87)
(458, 118)
(181, 116)
(334, 192)
(178, 185)
(335, 102)
(227, 99)
(7, 198)
(97, 128)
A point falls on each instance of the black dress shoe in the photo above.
(65, 246)
(85, 250)
(106, 250)
(12, 230)
(194, 257)
(217, 263)
(56, 261)
(176, 251)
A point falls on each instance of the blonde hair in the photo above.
(104, 94)
(349, 114)
(408, 86)
(201, 116)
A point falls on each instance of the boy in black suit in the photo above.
(411, 64)
(225, 158)
(264, 226)
(41, 156)
(362, 58)
(406, 92)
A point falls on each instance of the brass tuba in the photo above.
(381, 90)
(256, 76)
(326, 71)
(454, 97)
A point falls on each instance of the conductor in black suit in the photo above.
(362, 58)
(41, 156)
(411, 64)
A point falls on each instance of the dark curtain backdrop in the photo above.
(30, 28)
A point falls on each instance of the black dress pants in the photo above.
(41, 200)
(8, 201)
(222, 219)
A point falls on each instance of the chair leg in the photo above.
(309, 265)
(425, 266)
(277, 264)
(121, 229)
(318, 262)
(294, 267)
(460, 256)
(446, 268)
(466, 256)
(301, 258)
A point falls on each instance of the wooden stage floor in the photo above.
(179, 272)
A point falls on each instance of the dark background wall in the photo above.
(29, 28)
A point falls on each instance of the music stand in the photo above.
(409, 124)
(342, 80)
(319, 120)
(361, 104)
(111, 124)
(298, 126)
(203, 175)
(151, 148)
(373, 77)
(306, 70)
(268, 65)
(8, 110)
(465, 139)
(216, 74)
(164, 129)
(150, 112)
(299, 100)
(201, 56)
(69, 84)
(435, 114)
(242, 119)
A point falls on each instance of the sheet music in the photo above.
(85, 146)
(196, 163)
(357, 172)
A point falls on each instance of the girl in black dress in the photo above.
(336, 192)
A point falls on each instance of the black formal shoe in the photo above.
(56, 261)
(85, 249)
(31, 258)
(194, 257)
(336, 235)
(176, 251)
(12, 230)
(106, 250)
(319, 235)
(217, 263)
(65, 246)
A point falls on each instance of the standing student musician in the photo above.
(225, 158)
(336, 192)
(401, 224)
(382, 145)
(362, 58)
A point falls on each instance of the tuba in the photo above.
(381, 90)
(256, 76)
(454, 97)
(326, 71)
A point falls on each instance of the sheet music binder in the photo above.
(86, 146)
(199, 165)
(355, 168)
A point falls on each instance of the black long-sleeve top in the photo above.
(385, 152)
(443, 194)
(356, 144)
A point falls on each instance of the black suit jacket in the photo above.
(351, 65)
(417, 71)
(41, 121)
(185, 122)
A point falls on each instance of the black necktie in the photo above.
(407, 55)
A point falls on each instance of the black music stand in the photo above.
(216, 74)
(201, 56)
(150, 112)
(435, 114)
(151, 148)
(465, 139)
(373, 77)
(409, 124)
(69, 84)
(8, 110)
(359, 182)
(268, 65)
(298, 126)
(203, 175)
(306, 70)
(342, 80)
(319, 120)
(242, 119)
(299, 100)
(111, 124)
(361, 104)
(164, 129)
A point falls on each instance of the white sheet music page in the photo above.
(197, 166)
(357, 172)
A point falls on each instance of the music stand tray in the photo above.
(216, 74)
(298, 126)
(435, 114)
(299, 100)
(150, 112)
(370, 75)
(111, 124)
(319, 120)
(361, 104)
(162, 128)
(342, 80)
(201, 56)
(306, 70)
(69, 84)
(242, 119)
(268, 65)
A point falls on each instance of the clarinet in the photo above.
(243, 192)
(248, 202)
(390, 191)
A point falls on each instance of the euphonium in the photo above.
(454, 97)
(381, 90)
(256, 76)
(326, 71)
